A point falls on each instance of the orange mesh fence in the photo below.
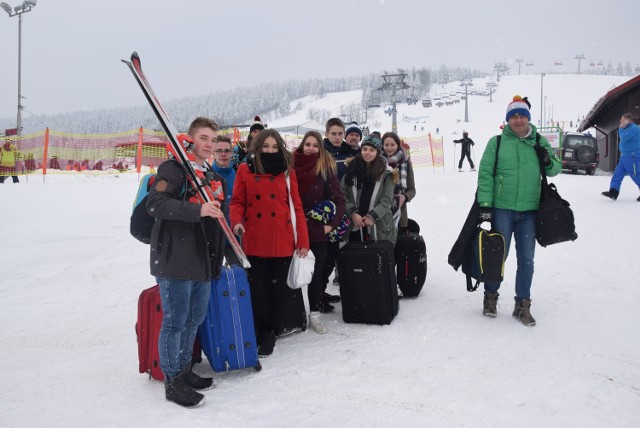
(51, 151)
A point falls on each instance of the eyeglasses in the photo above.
(221, 151)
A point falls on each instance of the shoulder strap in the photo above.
(495, 164)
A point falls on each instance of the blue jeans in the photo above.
(629, 164)
(522, 225)
(184, 306)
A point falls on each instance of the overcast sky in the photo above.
(71, 49)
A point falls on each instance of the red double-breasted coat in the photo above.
(261, 204)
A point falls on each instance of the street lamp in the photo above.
(25, 7)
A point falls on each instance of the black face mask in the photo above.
(273, 163)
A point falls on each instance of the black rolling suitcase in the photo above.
(368, 282)
(411, 263)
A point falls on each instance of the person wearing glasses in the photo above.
(222, 164)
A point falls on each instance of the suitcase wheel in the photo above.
(257, 367)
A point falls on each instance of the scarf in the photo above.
(357, 173)
(305, 166)
(399, 161)
(273, 163)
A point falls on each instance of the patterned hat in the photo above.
(257, 124)
(373, 142)
(518, 105)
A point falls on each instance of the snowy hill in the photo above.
(71, 275)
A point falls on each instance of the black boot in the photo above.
(267, 344)
(179, 392)
(330, 298)
(612, 194)
(198, 382)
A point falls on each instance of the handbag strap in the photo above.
(543, 172)
(293, 210)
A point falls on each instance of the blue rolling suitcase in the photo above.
(227, 335)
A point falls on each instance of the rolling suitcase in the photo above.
(148, 331)
(368, 282)
(411, 263)
(227, 335)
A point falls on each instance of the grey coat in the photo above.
(380, 208)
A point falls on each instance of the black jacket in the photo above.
(183, 244)
(466, 143)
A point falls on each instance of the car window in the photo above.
(576, 142)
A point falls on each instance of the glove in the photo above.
(486, 214)
(543, 155)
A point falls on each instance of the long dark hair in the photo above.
(255, 151)
(358, 168)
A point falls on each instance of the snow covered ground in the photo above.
(70, 276)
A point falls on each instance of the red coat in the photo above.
(261, 204)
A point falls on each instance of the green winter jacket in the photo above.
(516, 185)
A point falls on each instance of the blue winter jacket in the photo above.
(229, 174)
(629, 139)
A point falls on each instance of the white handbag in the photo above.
(301, 268)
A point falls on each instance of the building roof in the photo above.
(606, 101)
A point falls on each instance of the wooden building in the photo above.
(605, 115)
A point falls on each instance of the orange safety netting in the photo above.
(51, 151)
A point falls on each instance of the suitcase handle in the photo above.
(375, 234)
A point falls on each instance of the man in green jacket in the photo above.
(509, 199)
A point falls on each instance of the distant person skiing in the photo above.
(466, 150)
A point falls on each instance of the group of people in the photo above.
(342, 187)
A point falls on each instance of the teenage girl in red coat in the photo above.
(260, 213)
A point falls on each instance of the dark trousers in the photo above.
(276, 307)
(317, 285)
(467, 154)
(330, 262)
(13, 177)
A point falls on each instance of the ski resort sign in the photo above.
(553, 134)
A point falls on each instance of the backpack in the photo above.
(484, 258)
(141, 222)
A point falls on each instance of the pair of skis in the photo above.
(181, 152)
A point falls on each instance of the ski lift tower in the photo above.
(466, 83)
(393, 83)
(579, 58)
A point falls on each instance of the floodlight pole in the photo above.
(19, 11)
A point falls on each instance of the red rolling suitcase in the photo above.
(148, 331)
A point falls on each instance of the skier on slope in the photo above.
(466, 150)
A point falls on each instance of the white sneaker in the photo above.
(459, 169)
(315, 323)
(472, 170)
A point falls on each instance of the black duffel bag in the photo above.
(554, 222)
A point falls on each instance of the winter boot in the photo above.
(326, 307)
(459, 169)
(179, 392)
(198, 382)
(330, 298)
(638, 199)
(612, 194)
(522, 312)
(489, 304)
(315, 323)
(267, 344)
